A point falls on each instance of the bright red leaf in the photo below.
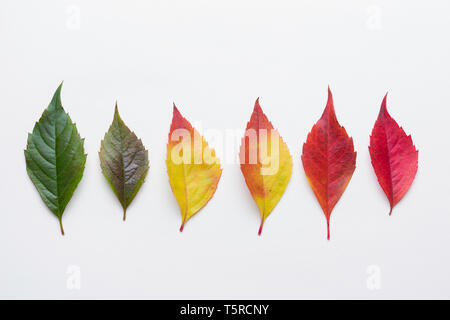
(328, 159)
(394, 156)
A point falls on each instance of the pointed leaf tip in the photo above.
(58, 90)
(383, 108)
(330, 96)
(257, 107)
(56, 99)
(176, 116)
(329, 112)
(176, 112)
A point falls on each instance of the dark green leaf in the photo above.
(55, 157)
(124, 161)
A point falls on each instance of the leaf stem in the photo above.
(124, 214)
(61, 225)
(260, 228)
(328, 229)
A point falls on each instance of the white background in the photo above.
(214, 58)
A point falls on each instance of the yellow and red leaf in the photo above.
(194, 170)
(265, 162)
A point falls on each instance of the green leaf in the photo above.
(55, 157)
(124, 161)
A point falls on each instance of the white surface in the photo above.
(213, 59)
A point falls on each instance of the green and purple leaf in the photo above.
(124, 161)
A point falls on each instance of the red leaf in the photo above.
(394, 156)
(328, 159)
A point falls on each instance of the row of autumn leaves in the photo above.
(55, 161)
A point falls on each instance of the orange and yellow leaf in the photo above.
(265, 162)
